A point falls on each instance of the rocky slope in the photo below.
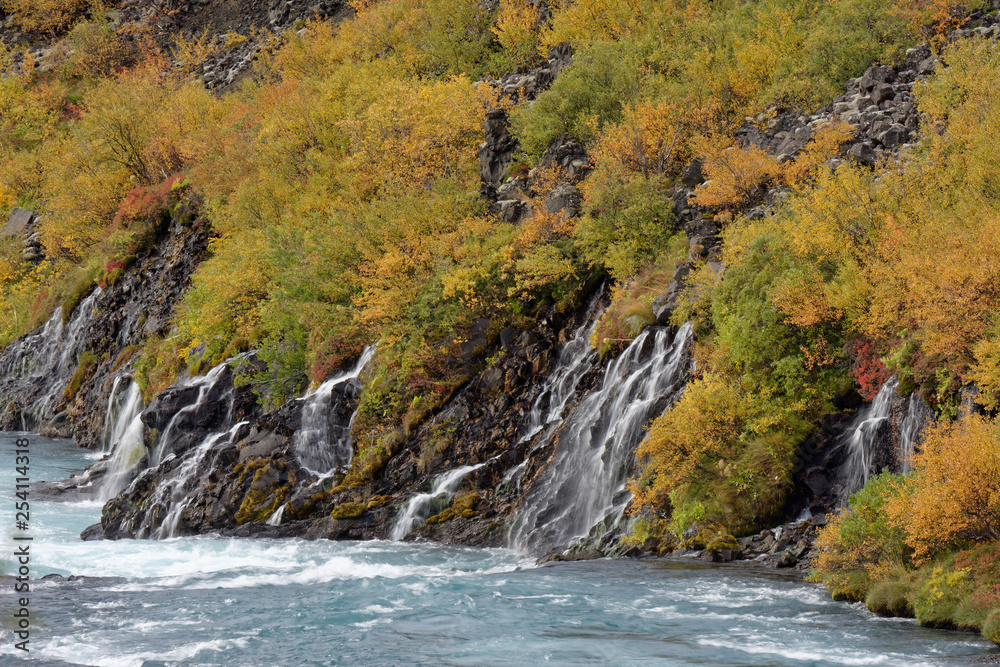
(108, 325)
(217, 464)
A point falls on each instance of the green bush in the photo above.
(585, 96)
(991, 628)
(628, 223)
(890, 598)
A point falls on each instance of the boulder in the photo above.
(693, 175)
(20, 222)
(564, 199)
(863, 153)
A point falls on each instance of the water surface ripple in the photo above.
(211, 601)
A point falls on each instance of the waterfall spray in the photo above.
(585, 483)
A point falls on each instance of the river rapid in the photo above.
(212, 601)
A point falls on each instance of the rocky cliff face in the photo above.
(96, 343)
(242, 481)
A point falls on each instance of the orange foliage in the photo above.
(734, 175)
(955, 497)
(649, 141)
(940, 16)
(825, 144)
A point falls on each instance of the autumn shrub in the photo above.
(862, 543)
(587, 95)
(652, 139)
(759, 341)
(157, 366)
(699, 430)
(630, 309)
(868, 369)
(936, 18)
(94, 49)
(955, 497)
(49, 16)
(436, 38)
(734, 176)
(628, 223)
(516, 30)
(849, 35)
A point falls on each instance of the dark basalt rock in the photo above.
(499, 146)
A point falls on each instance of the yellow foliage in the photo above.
(225, 299)
(734, 175)
(517, 32)
(704, 425)
(191, 52)
(403, 137)
(955, 488)
(49, 16)
(985, 370)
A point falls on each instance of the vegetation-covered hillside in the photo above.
(340, 175)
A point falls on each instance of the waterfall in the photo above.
(123, 408)
(865, 435)
(576, 359)
(585, 483)
(37, 367)
(319, 446)
(173, 494)
(883, 435)
(416, 509)
(205, 384)
(123, 437)
(918, 415)
(275, 519)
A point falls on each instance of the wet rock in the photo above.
(91, 533)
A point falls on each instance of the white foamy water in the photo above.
(213, 601)
(319, 446)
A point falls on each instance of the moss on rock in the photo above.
(463, 506)
(348, 510)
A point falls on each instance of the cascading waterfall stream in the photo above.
(320, 447)
(885, 420)
(47, 359)
(863, 436)
(123, 438)
(416, 508)
(173, 494)
(918, 415)
(575, 360)
(585, 483)
(205, 384)
(123, 408)
(275, 519)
